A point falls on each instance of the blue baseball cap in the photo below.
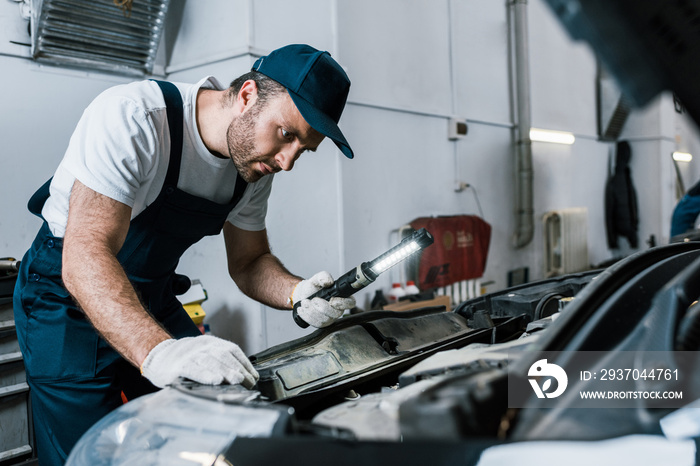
(316, 83)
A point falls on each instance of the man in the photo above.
(686, 212)
(150, 169)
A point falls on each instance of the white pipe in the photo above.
(523, 189)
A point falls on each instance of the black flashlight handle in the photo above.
(364, 274)
(348, 284)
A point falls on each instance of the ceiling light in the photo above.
(682, 157)
(558, 137)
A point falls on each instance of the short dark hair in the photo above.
(267, 87)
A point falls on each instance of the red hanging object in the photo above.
(458, 253)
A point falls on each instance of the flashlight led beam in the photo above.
(367, 272)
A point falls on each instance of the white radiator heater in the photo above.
(565, 241)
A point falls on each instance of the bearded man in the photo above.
(151, 168)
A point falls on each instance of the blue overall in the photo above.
(75, 376)
(686, 211)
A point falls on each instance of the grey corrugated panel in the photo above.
(96, 34)
(14, 389)
(7, 325)
(15, 452)
(6, 312)
(15, 442)
(10, 357)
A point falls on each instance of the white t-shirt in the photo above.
(121, 149)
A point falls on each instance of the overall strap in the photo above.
(238, 191)
(36, 202)
(173, 103)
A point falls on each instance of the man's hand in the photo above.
(205, 359)
(317, 311)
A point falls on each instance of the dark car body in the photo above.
(432, 385)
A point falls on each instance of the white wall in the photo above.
(412, 63)
(40, 107)
(303, 220)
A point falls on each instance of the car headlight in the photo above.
(171, 427)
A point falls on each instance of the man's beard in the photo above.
(240, 138)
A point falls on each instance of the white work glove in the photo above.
(205, 359)
(318, 312)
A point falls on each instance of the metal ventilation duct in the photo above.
(98, 34)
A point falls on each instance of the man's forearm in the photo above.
(266, 280)
(99, 285)
(95, 232)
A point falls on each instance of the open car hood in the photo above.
(384, 386)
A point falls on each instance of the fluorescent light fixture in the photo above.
(682, 156)
(546, 135)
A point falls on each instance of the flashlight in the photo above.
(367, 272)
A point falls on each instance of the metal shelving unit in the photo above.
(16, 439)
